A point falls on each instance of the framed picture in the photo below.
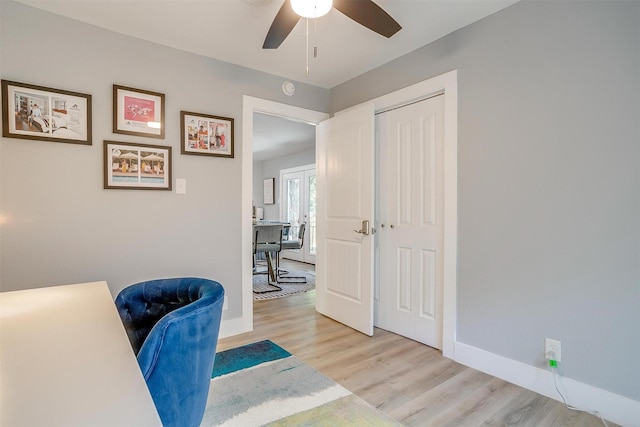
(137, 166)
(269, 191)
(206, 135)
(45, 114)
(138, 112)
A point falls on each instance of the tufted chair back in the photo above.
(173, 327)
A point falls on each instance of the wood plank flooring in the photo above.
(409, 381)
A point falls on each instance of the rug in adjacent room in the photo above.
(262, 384)
(263, 290)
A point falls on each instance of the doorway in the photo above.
(446, 84)
(253, 105)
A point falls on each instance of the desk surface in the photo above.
(65, 360)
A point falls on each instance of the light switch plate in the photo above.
(181, 186)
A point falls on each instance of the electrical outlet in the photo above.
(552, 347)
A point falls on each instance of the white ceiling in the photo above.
(234, 30)
(276, 136)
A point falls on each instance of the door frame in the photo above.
(447, 84)
(251, 105)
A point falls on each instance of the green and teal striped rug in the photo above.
(261, 384)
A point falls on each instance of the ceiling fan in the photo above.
(364, 12)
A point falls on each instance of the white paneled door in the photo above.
(345, 207)
(411, 188)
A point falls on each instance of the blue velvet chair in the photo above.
(173, 327)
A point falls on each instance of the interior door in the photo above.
(345, 205)
(411, 220)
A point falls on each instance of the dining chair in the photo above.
(173, 327)
(267, 240)
(283, 276)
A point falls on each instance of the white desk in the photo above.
(65, 360)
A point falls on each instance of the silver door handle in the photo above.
(365, 228)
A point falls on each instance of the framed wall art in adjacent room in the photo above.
(269, 188)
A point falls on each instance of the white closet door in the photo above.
(411, 221)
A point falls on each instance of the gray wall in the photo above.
(271, 169)
(59, 226)
(549, 181)
(258, 198)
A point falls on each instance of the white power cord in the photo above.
(554, 370)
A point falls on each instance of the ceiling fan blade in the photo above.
(369, 14)
(282, 25)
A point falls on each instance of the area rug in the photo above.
(261, 384)
(263, 290)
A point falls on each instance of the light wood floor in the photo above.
(409, 381)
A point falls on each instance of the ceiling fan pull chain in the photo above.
(307, 51)
(307, 56)
(315, 38)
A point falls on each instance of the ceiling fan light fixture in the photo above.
(311, 8)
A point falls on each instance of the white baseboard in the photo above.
(233, 327)
(619, 409)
